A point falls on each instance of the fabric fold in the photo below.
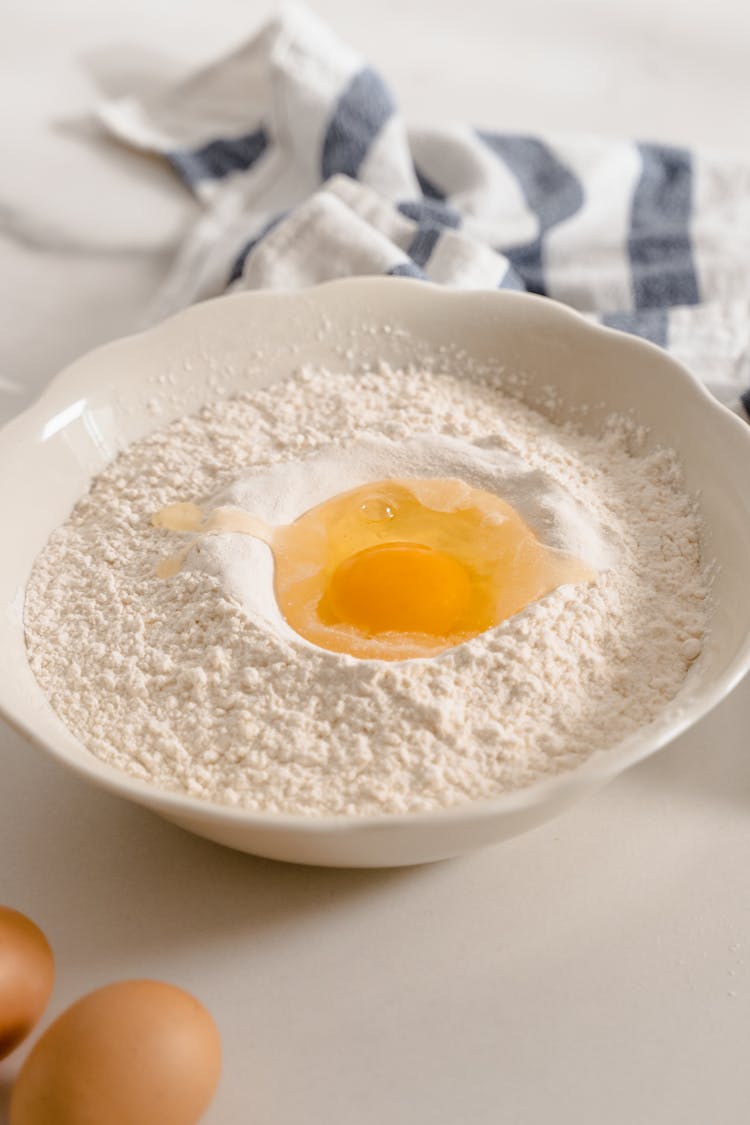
(306, 170)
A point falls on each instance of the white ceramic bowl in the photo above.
(106, 400)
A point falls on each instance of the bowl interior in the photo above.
(125, 390)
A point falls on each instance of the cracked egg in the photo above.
(398, 566)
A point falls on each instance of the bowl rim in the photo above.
(596, 771)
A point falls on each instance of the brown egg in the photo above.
(134, 1053)
(27, 973)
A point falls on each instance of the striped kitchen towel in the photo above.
(306, 171)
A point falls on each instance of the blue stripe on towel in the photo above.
(423, 244)
(430, 213)
(511, 280)
(360, 114)
(219, 158)
(551, 190)
(429, 189)
(239, 262)
(651, 324)
(406, 269)
(659, 245)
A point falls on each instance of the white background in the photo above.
(596, 970)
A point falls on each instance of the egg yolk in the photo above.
(397, 569)
(399, 588)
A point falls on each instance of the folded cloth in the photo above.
(306, 171)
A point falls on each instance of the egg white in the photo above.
(282, 493)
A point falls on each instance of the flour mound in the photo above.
(174, 683)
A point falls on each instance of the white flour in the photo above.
(174, 682)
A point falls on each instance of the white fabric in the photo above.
(293, 128)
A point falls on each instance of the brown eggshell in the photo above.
(27, 973)
(133, 1053)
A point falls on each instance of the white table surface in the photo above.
(596, 970)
